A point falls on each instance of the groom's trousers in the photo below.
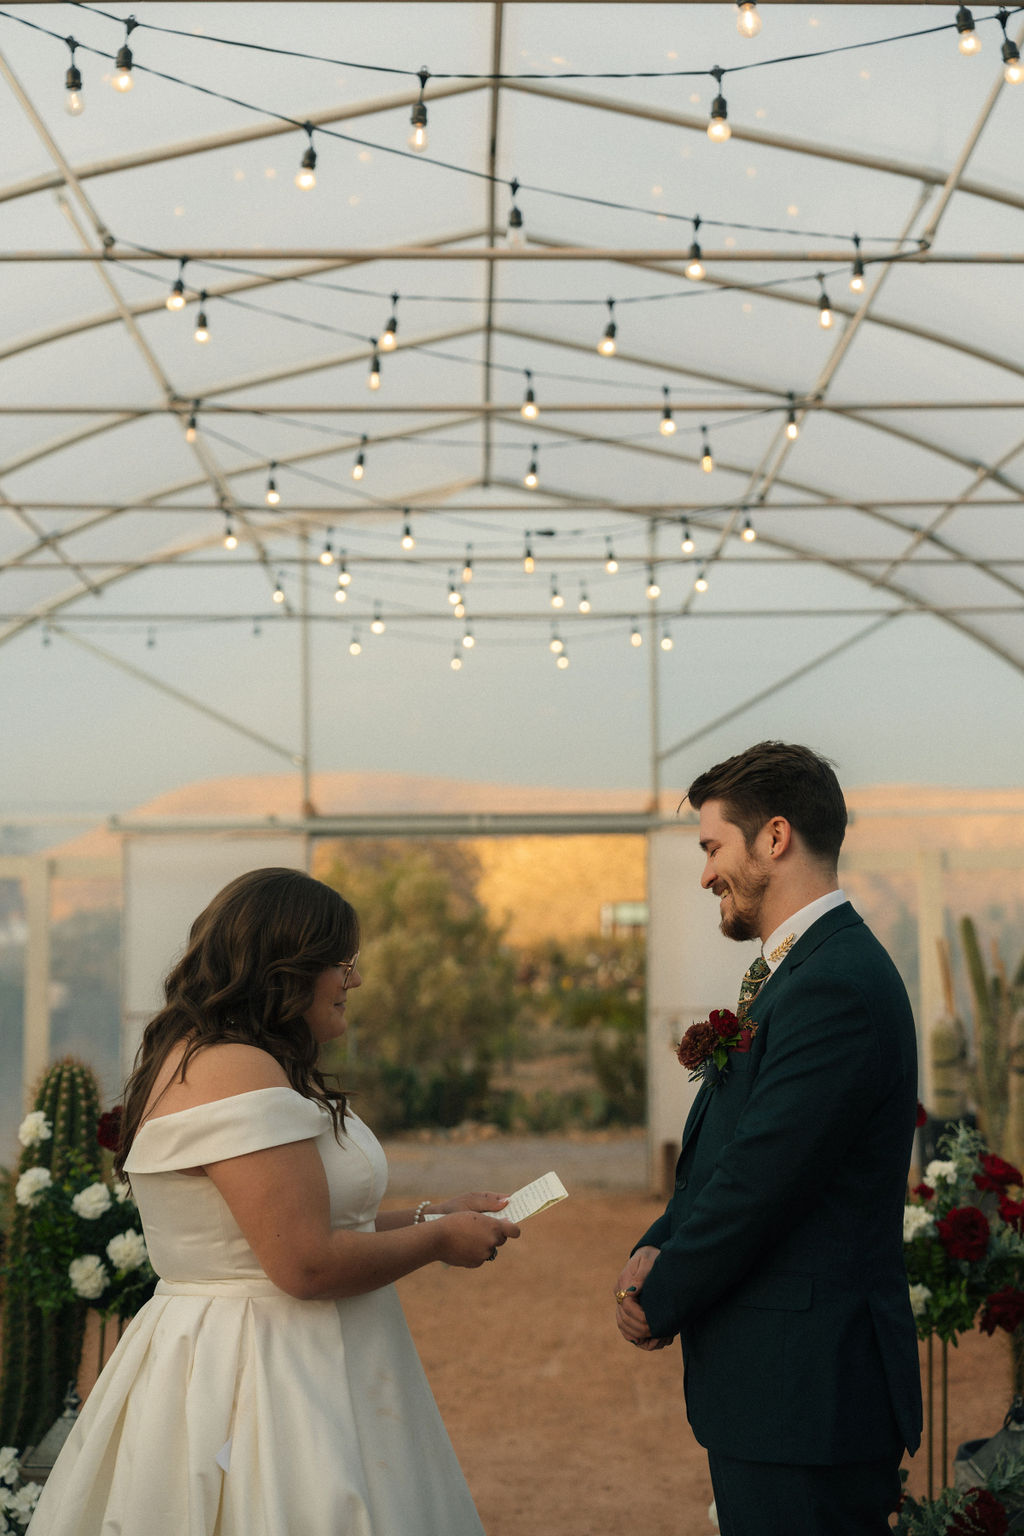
(759, 1498)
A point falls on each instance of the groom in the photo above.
(779, 1258)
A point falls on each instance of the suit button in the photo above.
(681, 1181)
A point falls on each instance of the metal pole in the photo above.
(305, 633)
(652, 676)
(36, 1028)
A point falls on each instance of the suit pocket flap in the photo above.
(781, 1293)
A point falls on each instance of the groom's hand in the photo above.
(629, 1313)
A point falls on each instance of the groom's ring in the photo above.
(620, 1297)
(492, 1255)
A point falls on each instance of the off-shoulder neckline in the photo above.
(248, 1093)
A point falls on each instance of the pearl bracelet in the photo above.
(417, 1214)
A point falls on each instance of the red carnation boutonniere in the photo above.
(707, 1045)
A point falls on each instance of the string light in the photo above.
(529, 564)
(701, 583)
(230, 536)
(340, 595)
(278, 593)
(857, 273)
(749, 533)
(344, 574)
(373, 380)
(418, 118)
(273, 495)
(192, 430)
(531, 478)
(636, 639)
(202, 330)
(327, 553)
(454, 595)
(459, 610)
(611, 565)
(122, 79)
(467, 569)
(666, 639)
(653, 590)
(825, 315)
(176, 298)
(378, 626)
(456, 661)
(792, 430)
(748, 18)
(468, 639)
(1013, 73)
(562, 661)
(969, 41)
(606, 346)
(408, 542)
(556, 645)
(359, 467)
(557, 600)
(529, 409)
(305, 176)
(707, 463)
(354, 645)
(74, 105)
(388, 340)
(584, 603)
(718, 127)
(686, 544)
(515, 232)
(666, 426)
(694, 265)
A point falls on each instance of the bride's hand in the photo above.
(486, 1200)
(468, 1238)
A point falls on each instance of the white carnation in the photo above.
(916, 1222)
(937, 1170)
(122, 1191)
(920, 1296)
(91, 1202)
(88, 1276)
(127, 1250)
(31, 1185)
(24, 1502)
(8, 1464)
(34, 1129)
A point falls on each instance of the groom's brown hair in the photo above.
(776, 779)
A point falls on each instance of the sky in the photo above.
(823, 630)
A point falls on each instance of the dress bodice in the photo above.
(189, 1229)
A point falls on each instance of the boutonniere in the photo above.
(707, 1045)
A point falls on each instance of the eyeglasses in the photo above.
(347, 967)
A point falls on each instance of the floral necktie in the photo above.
(751, 985)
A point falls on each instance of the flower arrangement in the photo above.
(707, 1045)
(956, 1512)
(16, 1503)
(86, 1237)
(963, 1241)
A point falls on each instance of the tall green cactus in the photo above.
(42, 1349)
(998, 1076)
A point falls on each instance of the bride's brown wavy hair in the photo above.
(247, 977)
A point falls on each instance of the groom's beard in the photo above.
(741, 910)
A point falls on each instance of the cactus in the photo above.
(998, 1075)
(42, 1349)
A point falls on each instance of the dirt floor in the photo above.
(561, 1428)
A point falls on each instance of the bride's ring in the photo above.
(620, 1297)
(492, 1255)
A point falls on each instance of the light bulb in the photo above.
(606, 346)
(74, 104)
(467, 569)
(176, 298)
(749, 533)
(611, 565)
(278, 594)
(378, 626)
(707, 463)
(531, 477)
(516, 234)
(701, 583)
(792, 430)
(273, 495)
(1013, 74)
(694, 265)
(454, 596)
(562, 662)
(529, 564)
(825, 315)
(418, 118)
(459, 610)
(857, 277)
(584, 603)
(354, 648)
(202, 330)
(408, 542)
(666, 426)
(969, 41)
(748, 19)
(359, 467)
(122, 78)
(636, 639)
(230, 537)
(687, 545)
(388, 339)
(456, 663)
(557, 600)
(529, 408)
(340, 595)
(718, 127)
(344, 575)
(556, 645)
(305, 178)
(192, 430)
(373, 382)
(327, 554)
(666, 641)
(468, 640)
(653, 590)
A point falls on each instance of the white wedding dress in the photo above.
(231, 1409)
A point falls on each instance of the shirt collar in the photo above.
(798, 924)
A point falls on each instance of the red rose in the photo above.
(922, 1114)
(1012, 1212)
(923, 1191)
(723, 1022)
(998, 1174)
(1003, 1309)
(984, 1515)
(964, 1233)
(697, 1044)
(108, 1132)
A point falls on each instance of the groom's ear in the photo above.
(780, 836)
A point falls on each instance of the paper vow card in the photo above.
(545, 1191)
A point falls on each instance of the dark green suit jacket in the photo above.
(781, 1263)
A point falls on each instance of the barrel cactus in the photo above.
(42, 1347)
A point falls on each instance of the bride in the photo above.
(270, 1387)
